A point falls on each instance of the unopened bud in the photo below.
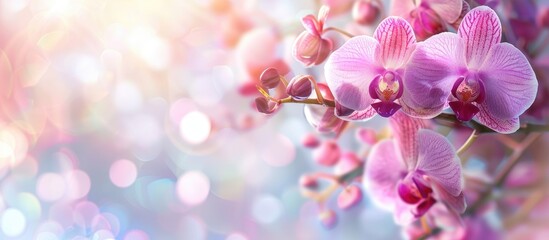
(311, 49)
(300, 87)
(325, 91)
(347, 162)
(264, 105)
(365, 12)
(310, 141)
(543, 17)
(270, 78)
(349, 197)
(426, 23)
(366, 135)
(328, 218)
(307, 181)
(327, 154)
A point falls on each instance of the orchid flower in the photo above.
(366, 73)
(428, 17)
(473, 72)
(413, 171)
(309, 47)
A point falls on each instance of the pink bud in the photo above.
(311, 49)
(328, 218)
(323, 119)
(269, 78)
(307, 181)
(347, 162)
(543, 17)
(264, 105)
(325, 91)
(426, 23)
(310, 141)
(349, 197)
(366, 135)
(365, 12)
(327, 154)
(300, 87)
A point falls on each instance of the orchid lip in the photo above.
(387, 88)
(468, 91)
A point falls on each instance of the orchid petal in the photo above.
(499, 125)
(396, 40)
(481, 30)
(361, 115)
(383, 171)
(455, 202)
(311, 24)
(402, 8)
(403, 213)
(405, 129)
(431, 73)
(510, 81)
(438, 160)
(350, 69)
(448, 10)
(322, 16)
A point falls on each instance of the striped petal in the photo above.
(438, 160)
(350, 69)
(397, 41)
(481, 30)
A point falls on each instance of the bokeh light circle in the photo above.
(50, 187)
(123, 173)
(236, 236)
(195, 127)
(78, 183)
(136, 235)
(193, 188)
(266, 209)
(13, 222)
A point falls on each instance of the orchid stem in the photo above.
(468, 142)
(504, 172)
(339, 31)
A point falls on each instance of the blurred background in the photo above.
(134, 119)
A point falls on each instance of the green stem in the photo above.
(451, 118)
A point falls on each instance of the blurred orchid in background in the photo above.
(246, 119)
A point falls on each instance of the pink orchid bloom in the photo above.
(309, 47)
(366, 73)
(413, 171)
(428, 17)
(473, 72)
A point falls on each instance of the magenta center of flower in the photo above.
(468, 91)
(414, 190)
(387, 88)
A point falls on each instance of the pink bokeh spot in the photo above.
(193, 188)
(123, 173)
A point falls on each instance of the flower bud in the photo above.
(365, 12)
(426, 23)
(543, 17)
(307, 181)
(311, 49)
(270, 78)
(327, 154)
(328, 218)
(310, 141)
(366, 135)
(347, 162)
(300, 87)
(325, 91)
(349, 197)
(264, 105)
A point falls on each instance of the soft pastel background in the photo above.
(125, 119)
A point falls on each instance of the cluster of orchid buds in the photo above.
(421, 76)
